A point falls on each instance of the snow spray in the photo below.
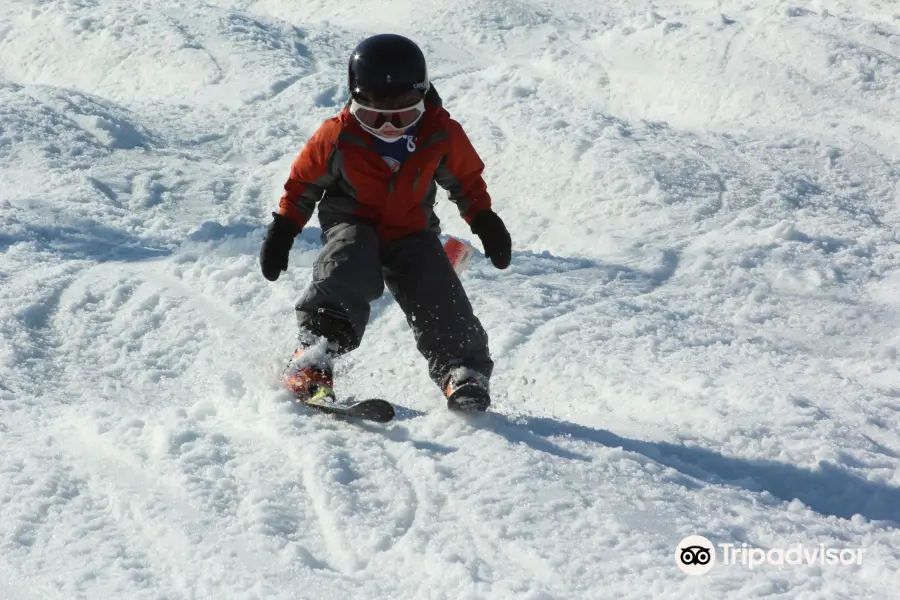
(459, 253)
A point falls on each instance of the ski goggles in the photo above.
(377, 118)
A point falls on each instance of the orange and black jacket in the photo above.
(340, 169)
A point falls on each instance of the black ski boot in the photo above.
(466, 390)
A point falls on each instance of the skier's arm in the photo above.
(460, 174)
(310, 175)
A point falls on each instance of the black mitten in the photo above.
(273, 256)
(488, 226)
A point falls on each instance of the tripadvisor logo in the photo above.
(696, 555)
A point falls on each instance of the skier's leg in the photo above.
(333, 313)
(346, 278)
(446, 330)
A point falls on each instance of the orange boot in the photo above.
(309, 374)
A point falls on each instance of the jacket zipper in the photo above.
(419, 148)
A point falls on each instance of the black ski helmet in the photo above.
(386, 64)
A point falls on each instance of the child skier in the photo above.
(373, 171)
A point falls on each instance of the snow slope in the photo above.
(699, 332)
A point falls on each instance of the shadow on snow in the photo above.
(829, 490)
(84, 240)
(88, 239)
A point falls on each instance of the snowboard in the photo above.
(370, 409)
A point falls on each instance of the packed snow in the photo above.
(699, 333)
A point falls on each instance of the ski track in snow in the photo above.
(698, 333)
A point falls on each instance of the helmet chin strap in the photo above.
(410, 139)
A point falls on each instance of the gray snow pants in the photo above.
(351, 271)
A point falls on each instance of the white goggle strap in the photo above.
(355, 106)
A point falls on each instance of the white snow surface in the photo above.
(699, 332)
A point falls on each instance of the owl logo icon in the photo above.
(695, 555)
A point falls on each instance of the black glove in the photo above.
(494, 237)
(273, 256)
